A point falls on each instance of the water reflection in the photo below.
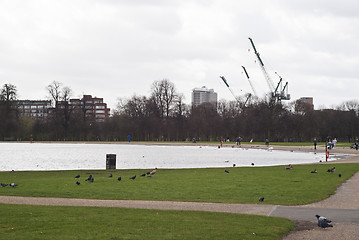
(71, 156)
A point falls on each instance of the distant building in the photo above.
(305, 102)
(92, 107)
(34, 109)
(203, 95)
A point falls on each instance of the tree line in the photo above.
(163, 116)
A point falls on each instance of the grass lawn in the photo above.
(44, 222)
(241, 185)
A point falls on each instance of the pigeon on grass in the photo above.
(323, 222)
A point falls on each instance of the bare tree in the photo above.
(61, 112)
(8, 93)
(164, 93)
(54, 90)
(8, 110)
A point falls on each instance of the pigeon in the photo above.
(148, 173)
(78, 183)
(261, 199)
(143, 175)
(77, 176)
(340, 175)
(133, 178)
(314, 171)
(89, 178)
(323, 222)
(110, 175)
(4, 185)
(252, 164)
(289, 167)
(92, 179)
(119, 178)
(226, 171)
(14, 185)
(153, 171)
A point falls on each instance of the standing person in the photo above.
(356, 144)
(267, 142)
(334, 142)
(129, 138)
(315, 143)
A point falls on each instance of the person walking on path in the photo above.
(267, 142)
(315, 143)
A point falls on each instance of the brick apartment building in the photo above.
(94, 108)
(35, 109)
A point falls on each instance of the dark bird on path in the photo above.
(133, 178)
(252, 164)
(110, 175)
(226, 171)
(14, 185)
(77, 176)
(323, 222)
(340, 175)
(261, 199)
(119, 178)
(78, 183)
(4, 185)
(143, 175)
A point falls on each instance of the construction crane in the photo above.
(283, 94)
(225, 82)
(238, 101)
(250, 82)
(276, 94)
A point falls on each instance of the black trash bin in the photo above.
(110, 161)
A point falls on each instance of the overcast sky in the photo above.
(117, 48)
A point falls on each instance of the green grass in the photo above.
(241, 185)
(44, 222)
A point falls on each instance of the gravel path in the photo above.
(346, 197)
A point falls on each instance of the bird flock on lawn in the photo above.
(91, 179)
(14, 185)
(289, 167)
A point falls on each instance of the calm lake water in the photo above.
(70, 156)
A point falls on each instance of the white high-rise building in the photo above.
(203, 95)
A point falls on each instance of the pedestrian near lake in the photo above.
(315, 143)
(334, 142)
(267, 142)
